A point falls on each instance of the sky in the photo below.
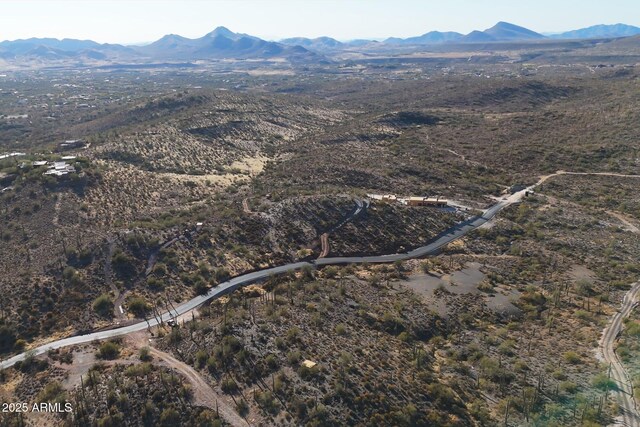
(142, 21)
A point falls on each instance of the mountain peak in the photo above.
(507, 31)
(172, 37)
(220, 43)
(221, 31)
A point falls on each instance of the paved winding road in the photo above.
(220, 290)
(440, 241)
(624, 390)
(229, 286)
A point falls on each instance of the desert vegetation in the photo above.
(185, 179)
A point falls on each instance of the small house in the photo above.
(426, 201)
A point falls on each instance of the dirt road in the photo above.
(324, 240)
(203, 393)
(624, 392)
(628, 225)
(561, 172)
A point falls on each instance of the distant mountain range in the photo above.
(504, 31)
(320, 43)
(223, 43)
(61, 49)
(431, 37)
(220, 43)
(600, 32)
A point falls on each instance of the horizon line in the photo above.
(271, 39)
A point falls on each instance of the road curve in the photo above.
(436, 244)
(229, 286)
(360, 205)
(624, 390)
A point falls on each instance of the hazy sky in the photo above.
(133, 21)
